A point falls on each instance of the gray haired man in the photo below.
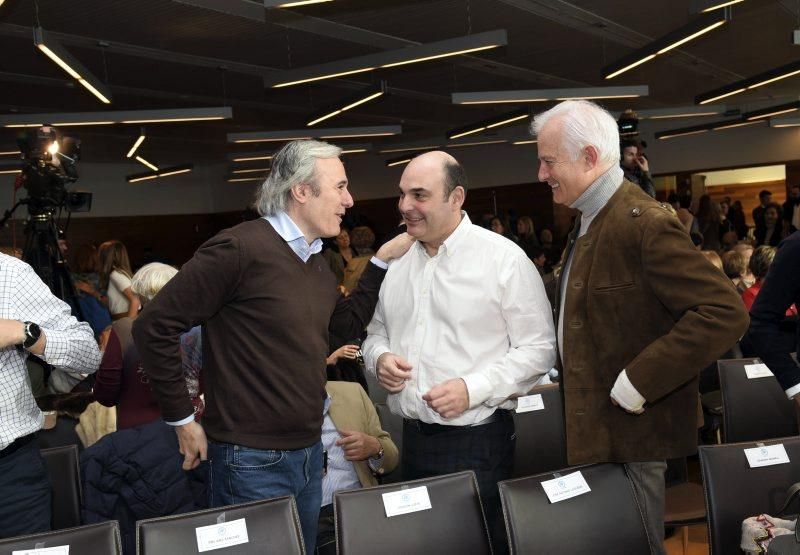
(265, 299)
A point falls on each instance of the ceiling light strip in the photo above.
(759, 80)
(495, 122)
(692, 30)
(392, 58)
(66, 61)
(164, 172)
(117, 117)
(543, 95)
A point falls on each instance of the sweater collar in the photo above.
(597, 195)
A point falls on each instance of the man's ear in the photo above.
(590, 157)
(457, 197)
(301, 192)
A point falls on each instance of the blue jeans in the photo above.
(239, 474)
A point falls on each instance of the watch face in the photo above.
(32, 334)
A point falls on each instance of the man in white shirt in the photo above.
(32, 320)
(462, 326)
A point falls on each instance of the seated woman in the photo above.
(121, 380)
(759, 266)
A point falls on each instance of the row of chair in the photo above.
(607, 519)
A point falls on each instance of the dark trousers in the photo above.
(25, 492)
(488, 450)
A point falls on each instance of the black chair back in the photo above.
(273, 526)
(65, 481)
(605, 520)
(393, 424)
(94, 538)
(753, 409)
(541, 438)
(734, 491)
(455, 524)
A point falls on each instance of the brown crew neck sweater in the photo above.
(265, 317)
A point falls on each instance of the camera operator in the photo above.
(635, 166)
(38, 323)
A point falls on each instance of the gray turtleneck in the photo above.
(593, 199)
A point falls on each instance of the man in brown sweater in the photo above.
(639, 311)
(266, 299)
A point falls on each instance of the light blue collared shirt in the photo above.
(290, 233)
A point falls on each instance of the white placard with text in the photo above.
(57, 550)
(530, 403)
(757, 371)
(406, 501)
(766, 455)
(566, 487)
(222, 534)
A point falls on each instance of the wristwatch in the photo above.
(32, 334)
(379, 455)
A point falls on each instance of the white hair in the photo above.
(293, 164)
(150, 278)
(584, 124)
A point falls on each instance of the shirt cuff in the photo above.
(479, 389)
(379, 263)
(372, 359)
(375, 464)
(792, 391)
(626, 395)
(182, 422)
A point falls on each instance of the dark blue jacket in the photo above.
(135, 474)
(767, 331)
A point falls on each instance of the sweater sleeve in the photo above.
(353, 313)
(108, 379)
(202, 287)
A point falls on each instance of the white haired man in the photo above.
(639, 311)
(265, 298)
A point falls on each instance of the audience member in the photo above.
(115, 277)
(539, 258)
(771, 233)
(85, 277)
(266, 311)
(121, 381)
(46, 329)
(734, 265)
(357, 448)
(499, 225)
(791, 210)
(780, 292)
(681, 204)
(764, 199)
(709, 222)
(339, 254)
(526, 235)
(713, 257)
(635, 166)
(736, 216)
(760, 264)
(632, 284)
(362, 239)
(462, 326)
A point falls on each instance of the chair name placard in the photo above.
(566, 487)
(754, 371)
(222, 534)
(766, 455)
(530, 403)
(57, 550)
(406, 501)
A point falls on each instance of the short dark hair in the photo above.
(454, 175)
(761, 260)
(764, 193)
(626, 143)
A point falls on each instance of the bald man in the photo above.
(463, 326)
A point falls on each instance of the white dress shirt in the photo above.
(69, 345)
(477, 311)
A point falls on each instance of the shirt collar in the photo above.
(289, 232)
(454, 239)
(600, 192)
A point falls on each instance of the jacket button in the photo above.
(577, 284)
(577, 369)
(576, 324)
(580, 412)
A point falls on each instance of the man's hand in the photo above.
(12, 332)
(450, 399)
(392, 371)
(643, 164)
(193, 444)
(395, 248)
(614, 402)
(358, 446)
(345, 351)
